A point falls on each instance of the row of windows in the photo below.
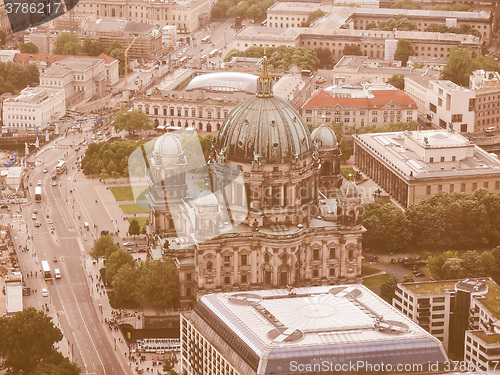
(462, 187)
(286, 18)
(187, 113)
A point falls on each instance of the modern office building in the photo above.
(414, 165)
(463, 314)
(313, 330)
(486, 86)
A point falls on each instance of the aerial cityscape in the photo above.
(254, 187)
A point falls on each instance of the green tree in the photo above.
(134, 228)
(125, 285)
(406, 4)
(116, 260)
(28, 48)
(158, 284)
(56, 364)
(459, 7)
(318, 13)
(92, 47)
(168, 368)
(473, 266)
(352, 49)
(436, 263)
(103, 247)
(28, 340)
(408, 278)
(388, 289)
(453, 268)
(462, 62)
(103, 176)
(386, 227)
(345, 149)
(67, 44)
(403, 51)
(398, 81)
(3, 38)
(132, 121)
(325, 58)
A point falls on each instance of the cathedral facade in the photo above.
(275, 212)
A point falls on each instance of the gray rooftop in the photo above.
(339, 323)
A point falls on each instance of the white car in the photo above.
(45, 292)
(45, 170)
(33, 216)
(127, 243)
(491, 129)
(39, 183)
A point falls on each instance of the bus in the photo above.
(46, 270)
(213, 53)
(206, 39)
(38, 193)
(61, 166)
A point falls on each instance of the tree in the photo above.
(125, 285)
(92, 47)
(462, 62)
(325, 58)
(436, 263)
(386, 227)
(103, 176)
(473, 266)
(3, 38)
(398, 81)
(134, 229)
(352, 49)
(453, 268)
(388, 289)
(28, 48)
(406, 4)
(132, 121)
(28, 340)
(318, 13)
(116, 260)
(67, 44)
(100, 157)
(158, 284)
(408, 278)
(104, 246)
(403, 51)
(345, 149)
(56, 363)
(168, 368)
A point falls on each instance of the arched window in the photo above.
(209, 265)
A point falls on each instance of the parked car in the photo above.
(54, 260)
(418, 273)
(130, 250)
(394, 261)
(39, 183)
(45, 170)
(142, 251)
(37, 224)
(45, 292)
(128, 244)
(491, 129)
(33, 216)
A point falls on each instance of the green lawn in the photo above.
(374, 283)
(141, 220)
(365, 271)
(124, 193)
(128, 209)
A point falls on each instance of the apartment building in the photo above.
(411, 166)
(32, 107)
(463, 314)
(374, 108)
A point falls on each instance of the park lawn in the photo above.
(374, 283)
(366, 271)
(141, 220)
(124, 193)
(132, 208)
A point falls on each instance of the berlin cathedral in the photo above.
(275, 211)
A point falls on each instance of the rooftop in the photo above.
(226, 81)
(489, 338)
(49, 59)
(33, 95)
(491, 299)
(348, 322)
(377, 100)
(119, 26)
(393, 149)
(431, 287)
(274, 34)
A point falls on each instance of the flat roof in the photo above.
(342, 322)
(430, 287)
(390, 149)
(489, 338)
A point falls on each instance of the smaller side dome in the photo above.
(167, 146)
(206, 199)
(324, 137)
(350, 190)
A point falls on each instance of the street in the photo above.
(71, 302)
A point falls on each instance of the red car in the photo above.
(54, 259)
